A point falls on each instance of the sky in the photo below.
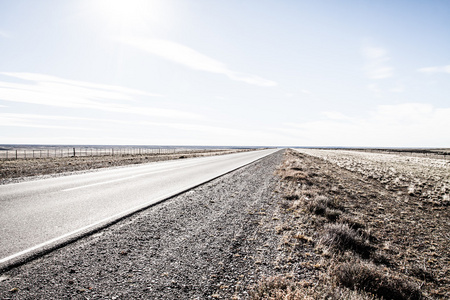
(231, 73)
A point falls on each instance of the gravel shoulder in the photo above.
(214, 241)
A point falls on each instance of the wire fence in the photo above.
(83, 152)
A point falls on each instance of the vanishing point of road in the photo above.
(41, 214)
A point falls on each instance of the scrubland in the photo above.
(365, 226)
(425, 178)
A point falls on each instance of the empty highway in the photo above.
(42, 213)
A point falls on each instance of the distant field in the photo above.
(48, 151)
(427, 177)
(443, 153)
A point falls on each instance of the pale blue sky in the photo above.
(192, 72)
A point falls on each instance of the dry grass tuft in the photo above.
(284, 288)
(318, 205)
(324, 206)
(332, 214)
(353, 223)
(291, 197)
(369, 278)
(340, 237)
(276, 288)
(294, 175)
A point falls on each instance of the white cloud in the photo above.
(335, 115)
(376, 65)
(35, 121)
(431, 70)
(192, 59)
(402, 125)
(58, 92)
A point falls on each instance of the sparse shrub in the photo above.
(353, 223)
(291, 197)
(422, 273)
(323, 206)
(319, 205)
(332, 214)
(275, 288)
(295, 175)
(341, 237)
(371, 279)
(283, 288)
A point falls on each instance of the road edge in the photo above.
(30, 254)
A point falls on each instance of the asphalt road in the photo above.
(43, 213)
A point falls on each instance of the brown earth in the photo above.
(363, 233)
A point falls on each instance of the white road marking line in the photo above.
(116, 216)
(120, 179)
(186, 165)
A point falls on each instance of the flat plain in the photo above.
(306, 224)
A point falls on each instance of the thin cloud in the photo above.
(432, 70)
(219, 135)
(58, 92)
(192, 59)
(402, 125)
(35, 121)
(376, 65)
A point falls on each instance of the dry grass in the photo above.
(340, 237)
(422, 177)
(361, 231)
(374, 280)
(283, 288)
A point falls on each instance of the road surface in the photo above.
(40, 214)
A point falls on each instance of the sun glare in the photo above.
(128, 13)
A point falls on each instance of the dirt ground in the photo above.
(359, 224)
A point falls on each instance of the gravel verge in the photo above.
(214, 241)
